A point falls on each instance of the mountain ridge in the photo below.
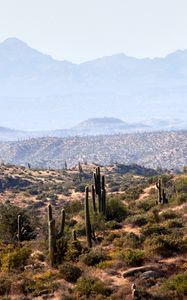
(45, 94)
(94, 127)
(165, 150)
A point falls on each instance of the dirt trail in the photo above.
(113, 280)
(146, 192)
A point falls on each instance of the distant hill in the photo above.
(92, 127)
(45, 94)
(166, 150)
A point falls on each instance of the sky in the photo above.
(82, 30)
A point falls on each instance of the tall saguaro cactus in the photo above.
(52, 236)
(62, 225)
(93, 199)
(52, 242)
(164, 197)
(19, 228)
(21, 231)
(87, 219)
(100, 190)
(159, 187)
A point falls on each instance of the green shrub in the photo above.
(105, 264)
(131, 240)
(74, 250)
(5, 285)
(176, 283)
(8, 228)
(164, 245)
(113, 225)
(12, 258)
(94, 257)
(91, 286)
(181, 198)
(181, 184)
(61, 249)
(70, 272)
(137, 220)
(132, 258)
(37, 283)
(175, 223)
(80, 229)
(152, 229)
(98, 222)
(168, 214)
(112, 236)
(145, 205)
(116, 210)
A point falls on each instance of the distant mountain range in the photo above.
(39, 93)
(166, 150)
(93, 127)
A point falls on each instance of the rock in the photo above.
(152, 274)
(134, 271)
(36, 266)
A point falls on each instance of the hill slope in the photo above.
(159, 149)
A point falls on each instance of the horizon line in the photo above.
(19, 40)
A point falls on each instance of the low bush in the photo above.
(94, 257)
(70, 272)
(181, 184)
(164, 245)
(176, 283)
(5, 285)
(105, 264)
(116, 210)
(174, 223)
(12, 258)
(61, 249)
(146, 205)
(152, 229)
(168, 214)
(112, 236)
(137, 220)
(181, 198)
(132, 257)
(74, 250)
(39, 282)
(9, 215)
(131, 240)
(92, 287)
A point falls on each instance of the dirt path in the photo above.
(146, 192)
(113, 280)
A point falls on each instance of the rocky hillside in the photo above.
(166, 150)
(56, 245)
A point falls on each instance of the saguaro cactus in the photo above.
(159, 187)
(22, 232)
(50, 214)
(100, 190)
(93, 199)
(52, 236)
(74, 235)
(62, 225)
(52, 242)
(164, 197)
(97, 179)
(87, 219)
(19, 228)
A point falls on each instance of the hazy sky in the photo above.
(80, 30)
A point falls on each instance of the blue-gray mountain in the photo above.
(40, 93)
(92, 127)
